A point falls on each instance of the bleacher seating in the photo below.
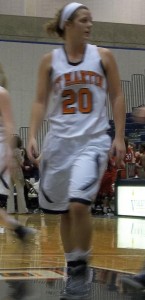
(134, 131)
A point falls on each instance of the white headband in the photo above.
(67, 12)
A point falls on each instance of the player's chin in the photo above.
(86, 36)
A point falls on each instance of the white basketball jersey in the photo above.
(79, 95)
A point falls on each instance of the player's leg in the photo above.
(81, 223)
(76, 233)
(66, 233)
(85, 180)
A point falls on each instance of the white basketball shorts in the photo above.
(71, 170)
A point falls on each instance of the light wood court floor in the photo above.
(35, 270)
(118, 244)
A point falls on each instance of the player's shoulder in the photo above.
(108, 58)
(47, 58)
(105, 52)
(45, 62)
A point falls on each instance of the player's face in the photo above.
(82, 24)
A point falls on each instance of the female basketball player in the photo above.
(6, 153)
(77, 76)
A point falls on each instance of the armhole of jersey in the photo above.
(51, 69)
(101, 63)
(51, 72)
(102, 66)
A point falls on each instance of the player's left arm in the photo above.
(117, 102)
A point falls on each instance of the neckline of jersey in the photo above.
(74, 63)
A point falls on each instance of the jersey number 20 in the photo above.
(83, 98)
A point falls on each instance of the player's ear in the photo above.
(68, 24)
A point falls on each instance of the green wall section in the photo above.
(20, 28)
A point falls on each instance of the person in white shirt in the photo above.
(77, 77)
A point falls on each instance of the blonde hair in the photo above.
(53, 26)
(3, 78)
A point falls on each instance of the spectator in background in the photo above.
(31, 176)
(133, 148)
(106, 189)
(137, 155)
(140, 162)
(129, 156)
(17, 179)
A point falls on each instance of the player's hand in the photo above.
(32, 150)
(118, 151)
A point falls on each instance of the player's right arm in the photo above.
(40, 104)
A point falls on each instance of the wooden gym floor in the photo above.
(36, 269)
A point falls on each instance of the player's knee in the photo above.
(79, 208)
(65, 218)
